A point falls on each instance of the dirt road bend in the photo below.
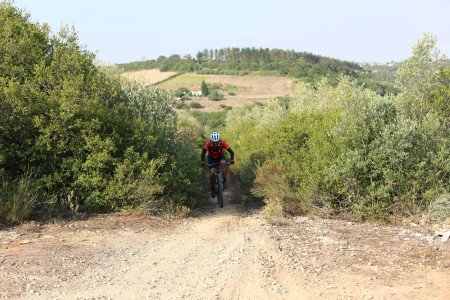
(225, 254)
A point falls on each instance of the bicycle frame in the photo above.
(218, 182)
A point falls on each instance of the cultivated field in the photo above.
(246, 89)
(147, 77)
(249, 90)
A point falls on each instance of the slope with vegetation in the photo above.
(262, 62)
(344, 150)
(73, 137)
(213, 92)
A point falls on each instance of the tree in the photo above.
(182, 92)
(417, 78)
(440, 102)
(63, 137)
(204, 89)
(199, 57)
(215, 95)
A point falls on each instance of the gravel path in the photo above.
(226, 254)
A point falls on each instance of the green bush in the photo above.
(181, 105)
(195, 104)
(17, 200)
(214, 95)
(343, 149)
(204, 88)
(82, 132)
(182, 92)
(439, 210)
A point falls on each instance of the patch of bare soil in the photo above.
(224, 254)
(265, 86)
(253, 89)
(248, 89)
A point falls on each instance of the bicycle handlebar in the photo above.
(227, 163)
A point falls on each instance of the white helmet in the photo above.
(214, 137)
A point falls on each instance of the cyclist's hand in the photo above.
(231, 161)
(203, 164)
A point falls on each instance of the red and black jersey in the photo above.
(215, 150)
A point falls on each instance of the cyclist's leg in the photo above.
(212, 178)
(224, 171)
(212, 175)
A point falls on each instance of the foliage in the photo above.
(72, 128)
(215, 95)
(210, 121)
(439, 210)
(195, 104)
(17, 199)
(345, 149)
(417, 78)
(182, 92)
(439, 101)
(74, 137)
(265, 62)
(204, 88)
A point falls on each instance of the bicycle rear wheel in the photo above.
(219, 191)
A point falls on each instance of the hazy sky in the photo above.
(354, 30)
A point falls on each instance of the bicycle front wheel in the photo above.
(219, 190)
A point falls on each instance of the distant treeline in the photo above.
(242, 61)
(235, 60)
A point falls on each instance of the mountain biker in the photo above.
(214, 146)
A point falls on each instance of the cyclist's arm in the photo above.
(231, 153)
(203, 154)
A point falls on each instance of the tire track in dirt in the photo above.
(219, 256)
(227, 254)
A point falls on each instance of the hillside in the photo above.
(274, 62)
(236, 90)
(336, 191)
(148, 77)
(382, 72)
(235, 61)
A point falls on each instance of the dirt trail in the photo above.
(225, 254)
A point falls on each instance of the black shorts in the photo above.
(213, 160)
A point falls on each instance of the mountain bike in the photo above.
(218, 182)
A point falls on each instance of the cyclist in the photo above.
(214, 146)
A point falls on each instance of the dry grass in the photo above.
(192, 81)
(247, 89)
(147, 77)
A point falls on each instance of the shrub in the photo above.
(272, 185)
(204, 88)
(17, 200)
(181, 105)
(195, 104)
(225, 107)
(214, 95)
(347, 148)
(182, 92)
(439, 210)
(63, 121)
